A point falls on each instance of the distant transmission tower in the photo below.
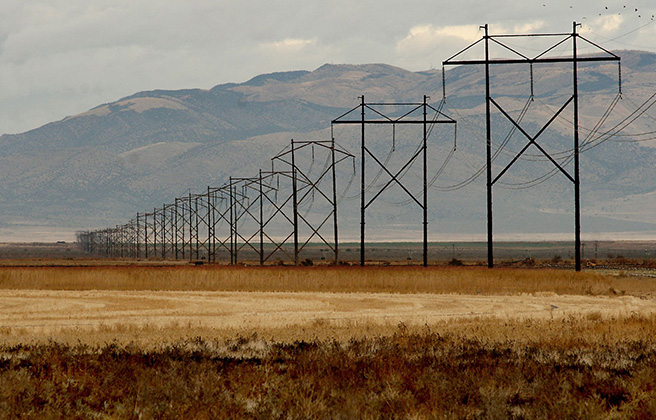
(367, 114)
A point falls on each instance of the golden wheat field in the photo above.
(179, 341)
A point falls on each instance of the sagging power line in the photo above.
(276, 214)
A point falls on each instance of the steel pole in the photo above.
(334, 174)
(424, 152)
(362, 187)
(488, 140)
(295, 205)
(261, 220)
(137, 237)
(577, 179)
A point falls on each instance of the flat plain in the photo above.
(157, 340)
(147, 304)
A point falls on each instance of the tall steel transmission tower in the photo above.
(571, 102)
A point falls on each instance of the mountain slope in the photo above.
(100, 167)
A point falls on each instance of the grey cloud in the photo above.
(86, 53)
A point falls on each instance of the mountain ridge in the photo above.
(100, 167)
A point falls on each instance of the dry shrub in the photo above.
(648, 264)
(402, 375)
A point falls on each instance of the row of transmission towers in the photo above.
(257, 218)
(262, 218)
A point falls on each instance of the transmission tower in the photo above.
(573, 100)
(377, 114)
(312, 183)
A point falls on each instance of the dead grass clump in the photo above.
(570, 331)
(402, 375)
(455, 263)
(648, 264)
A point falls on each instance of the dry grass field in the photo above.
(116, 341)
(395, 279)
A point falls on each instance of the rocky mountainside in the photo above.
(100, 167)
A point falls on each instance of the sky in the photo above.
(63, 57)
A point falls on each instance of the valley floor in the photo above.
(326, 342)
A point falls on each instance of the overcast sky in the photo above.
(62, 57)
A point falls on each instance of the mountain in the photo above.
(99, 168)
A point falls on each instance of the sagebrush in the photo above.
(404, 375)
